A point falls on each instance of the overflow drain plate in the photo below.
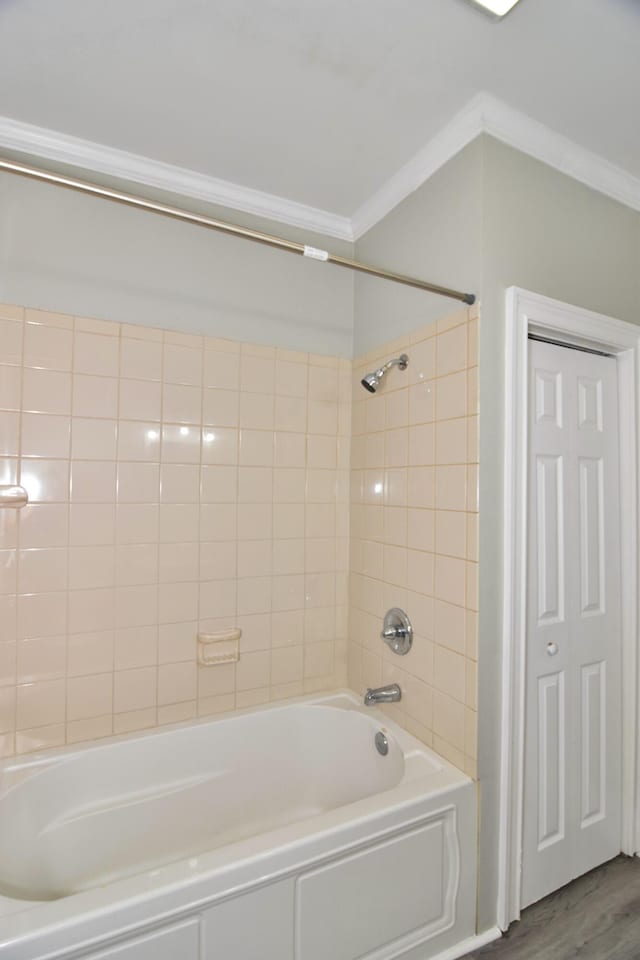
(382, 744)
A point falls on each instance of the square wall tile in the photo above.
(93, 439)
(93, 482)
(46, 391)
(221, 370)
(140, 400)
(47, 347)
(96, 354)
(43, 435)
(140, 359)
(95, 396)
(182, 365)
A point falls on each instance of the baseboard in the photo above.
(470, 944)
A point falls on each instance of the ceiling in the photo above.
(316, 102)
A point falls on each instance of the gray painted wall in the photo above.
(80, 255)
(549, 234)
(435, 235)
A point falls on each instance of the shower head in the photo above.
(373, 380)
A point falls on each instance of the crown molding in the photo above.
(464, 127)
(98, 158)
(487, 114)
(483, 114)
(521, 131)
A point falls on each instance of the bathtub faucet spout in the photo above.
(389, 694)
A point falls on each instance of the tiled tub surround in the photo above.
(176, 483)
(414, 531)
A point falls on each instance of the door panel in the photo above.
(592, 561)
(593, 699)
(572, 803)
(550, 554)
(551, 756)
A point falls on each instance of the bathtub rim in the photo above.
(351, 701)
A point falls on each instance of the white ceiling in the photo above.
(317, 102)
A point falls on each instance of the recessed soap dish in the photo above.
(220, 647)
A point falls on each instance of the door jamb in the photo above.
(527, 311)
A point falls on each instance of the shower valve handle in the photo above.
(397, 631)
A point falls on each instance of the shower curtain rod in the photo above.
(175, 213)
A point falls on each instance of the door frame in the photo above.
(530, 312)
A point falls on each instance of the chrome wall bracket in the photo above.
(397, 631)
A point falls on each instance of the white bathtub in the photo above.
(279, 833)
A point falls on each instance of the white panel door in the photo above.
(572, 776)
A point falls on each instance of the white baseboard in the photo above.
(470, 944)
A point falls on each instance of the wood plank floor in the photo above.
(597, 917)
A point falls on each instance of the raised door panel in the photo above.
(550, 536)
(593, 688)
(590, 413)
(592, 560)
(548, 397)
(551, 760)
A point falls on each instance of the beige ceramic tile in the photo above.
(93, 439)
(139, 399)
(10, 311)
(182, 365)
(89, 697)
(451, 351)
(93, 482)
(46, 391)
(89, 653)
(138, 483)
(46, 347)
(41, 658)
(46, 481)
(96, 354)
(40, 704)
(140, 359)
(43, 435)
(41, 570)
(221, 369)
(93, 729)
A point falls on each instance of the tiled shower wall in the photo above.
(176, 483)
(414, 531)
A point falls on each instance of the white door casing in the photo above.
(529, 312)
(572, 782)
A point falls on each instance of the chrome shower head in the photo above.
(372, 381)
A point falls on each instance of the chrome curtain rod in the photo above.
(175, 213)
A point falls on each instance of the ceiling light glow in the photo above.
(497, 7)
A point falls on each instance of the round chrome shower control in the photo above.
(382, 744)
(397, 631)
(552, 648)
